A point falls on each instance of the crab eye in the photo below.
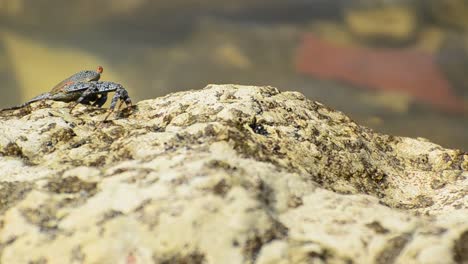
(100, 69)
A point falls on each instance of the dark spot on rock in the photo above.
(422, 201)
(322, 256)
(59, 136)
(460, 248)
(422, 163)
(13, 192)
(323, 117)
(295, 201)
(43, 216)
(48, 127)
(382, 143)
(79, 143)
(210, 131)
(235, 243)
(98, 162)
(117, 132)
(167, 119)
(245, 145)
(71, 184)
(258, 128)
(217, 164)
(458, 161)
(7, 242)
(105, 138)
(221, 188)
(265, 193)
(124, 154)
(446, 157)
(40, 260)
(434, 231)
(192, 258)
(423, 158)
(277, 151)
(269, 91)
(377, 227)
(254, 244)
(119, 171)
(12, 149)
(252, 248)
(109, 215)
(392, 249)
(77, 254)
(437, 184)
(157, 128)
(315, 132)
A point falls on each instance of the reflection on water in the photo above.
(400, 67)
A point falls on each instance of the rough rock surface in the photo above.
(227, 174)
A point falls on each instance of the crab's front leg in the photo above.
(120, 94)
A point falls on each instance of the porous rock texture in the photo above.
(226, 174)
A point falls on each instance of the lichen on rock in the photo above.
(226, 174)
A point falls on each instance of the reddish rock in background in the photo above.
(408, 71)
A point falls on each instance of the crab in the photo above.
(84, 87)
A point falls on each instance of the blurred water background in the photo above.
(399, 67)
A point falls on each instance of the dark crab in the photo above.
(84, 87)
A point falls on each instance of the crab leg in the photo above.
(120, 94)
(40, 97)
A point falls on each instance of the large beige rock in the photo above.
(227, 174)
